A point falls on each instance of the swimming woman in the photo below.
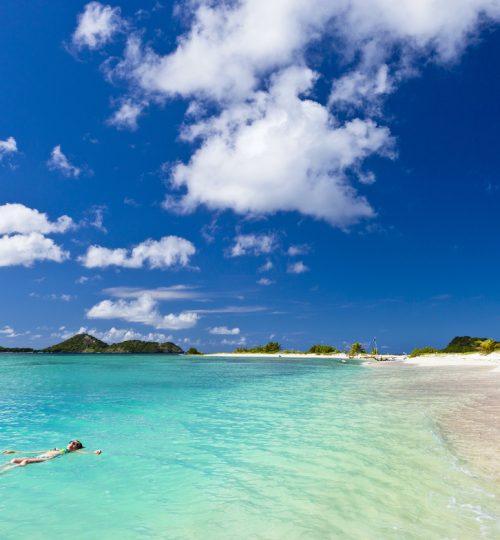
(44, 455)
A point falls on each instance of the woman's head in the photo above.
(74, 445)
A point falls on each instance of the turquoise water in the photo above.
(198, 448)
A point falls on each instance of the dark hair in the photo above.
(78, 444)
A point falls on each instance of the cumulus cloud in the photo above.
(96, 25)
(114, 335)
(252, 151)
(219, 56)
(17, 218)
(265, 281)
(8, 146)
(302, 249)
(164, 253)
(297, 268)
(142, 310)
(224, 331)
(273, 146)
(253, 244)
(8, 331)
(127, 115)
(26, 249)
(59, 162)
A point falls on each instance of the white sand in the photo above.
(337, 356)
(434, 360)
(442, 360)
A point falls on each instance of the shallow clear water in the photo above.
(229, 449)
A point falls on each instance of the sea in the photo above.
(231, 448)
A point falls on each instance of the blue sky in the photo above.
(221, 175)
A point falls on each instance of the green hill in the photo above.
(15, 350)
(81, 343)
(465, 344)
(85, 343)
(144, 347)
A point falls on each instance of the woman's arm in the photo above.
(94, 452)
(23, 452)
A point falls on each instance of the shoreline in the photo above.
(336, 356)
(491, 360)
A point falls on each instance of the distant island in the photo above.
(87, 344)
(462, 345)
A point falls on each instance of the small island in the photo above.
(87, 344)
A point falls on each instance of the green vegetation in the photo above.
(81, 343)
(488, 346)
(84, 343)
(15, 350)
(463, 344)
(144, 347)
(323, 349)
(271, 347)
(422, 351)
(356, 349)
(193, 351)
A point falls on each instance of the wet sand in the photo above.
(466, 404)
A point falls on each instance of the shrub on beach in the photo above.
(271, 347)
(323, 349)
(356, 348)
(488, 346)
(193, 350)
(422, 351)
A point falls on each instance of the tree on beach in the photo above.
(193, 351)
(488, 346)
(271, 347)
(323, 349)
(356, 348)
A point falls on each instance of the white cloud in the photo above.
(252, 150)
(166, 252)
(220, 57)
(9, 146)
(143, 310)
(268, 265)
(115, 335)
(297, 268)
(96, 25)
(231, 309)
(25, 249)
(17, 218)
(127, 115)
(59, 162)
(64, 297)
(8, 331)
(175, 292)
(357, 88)
(241, 341)
(253, 244)
(265, 281)
(224, 331)
(274, 149)
(302, 249)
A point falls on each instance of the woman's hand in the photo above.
(97, 452)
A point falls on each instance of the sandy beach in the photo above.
(434, 360)
(469, 383)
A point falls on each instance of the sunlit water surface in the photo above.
(198, 448)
